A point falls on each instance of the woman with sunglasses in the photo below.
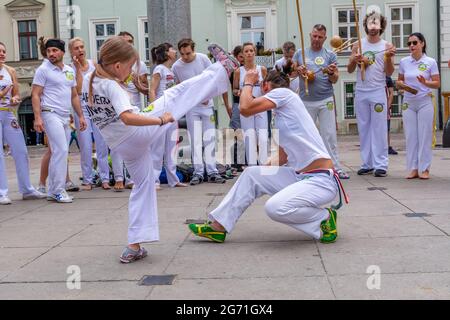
(421, 74)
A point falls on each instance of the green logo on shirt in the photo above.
(423, 67)
(319, 61)
(330, 106)
(405, 106)
(149, 108)
(379, 108)
(70, 76)
(371, 56)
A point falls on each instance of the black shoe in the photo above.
(392, 151)
(364, 172)
(196, 179)
(379, 173)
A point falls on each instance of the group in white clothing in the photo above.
(302, 179)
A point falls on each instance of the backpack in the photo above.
(186, 171)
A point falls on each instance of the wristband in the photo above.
(248, 85)
(162, 121)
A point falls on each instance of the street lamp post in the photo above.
(168, 21)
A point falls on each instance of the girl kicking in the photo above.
(299, 190)
(132, 133)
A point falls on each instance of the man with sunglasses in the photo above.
(370, 97)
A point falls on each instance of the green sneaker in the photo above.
(329, 228)
(205, 231)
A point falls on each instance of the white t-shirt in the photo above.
(135, 96)
(57, 84)
(5, 81)
(110, 100)
(184, 71)
(412, 68)
(167, 79)
(299, 136)
(375, 74)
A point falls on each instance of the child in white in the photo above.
(132, 134)
(299, 189)
(82, 67)
(255, 127)
(11, 134)
(200, 120)
(419, 72)
(53, 94)
(163, 78)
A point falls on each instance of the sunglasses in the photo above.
(414, 43)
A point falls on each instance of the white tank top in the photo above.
(375, 74)
(5, 81)
(257, 88)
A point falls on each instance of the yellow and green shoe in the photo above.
(205, 231)
(329, 228)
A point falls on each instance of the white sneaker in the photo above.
(35, 195)
(62, 197)
(5, 200)
(42, 189)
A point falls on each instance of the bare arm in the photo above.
(226, 102)
(236, 78)
(36, 93)
(434, 83)
(250, 106)
(77, 107)
(389, 65)
(391, 97)
(333, 73)
(355, 58)
(133, 119)
(156, 80)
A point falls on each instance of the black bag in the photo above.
(186, 170)
(446, 138)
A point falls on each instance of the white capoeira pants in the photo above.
(324, 112)
(418, 124)
(58, 131)
(118, 167)
(256, 135)
(11, 134)
(136, 150)
(371, 114)
(296, 201)
(201, 126)
(164, 152)
(101, 149)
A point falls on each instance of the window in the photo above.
(253, 29)
(146, 42)
(396, 103)
(27, 39)
(101, 30)
(401, 25)
(346, 27)
(349, 97)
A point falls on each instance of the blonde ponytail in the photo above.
(115, 49)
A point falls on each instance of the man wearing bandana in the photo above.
(370, 96)
(53, 95)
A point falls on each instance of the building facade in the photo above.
(21, 24)
(267, 23)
